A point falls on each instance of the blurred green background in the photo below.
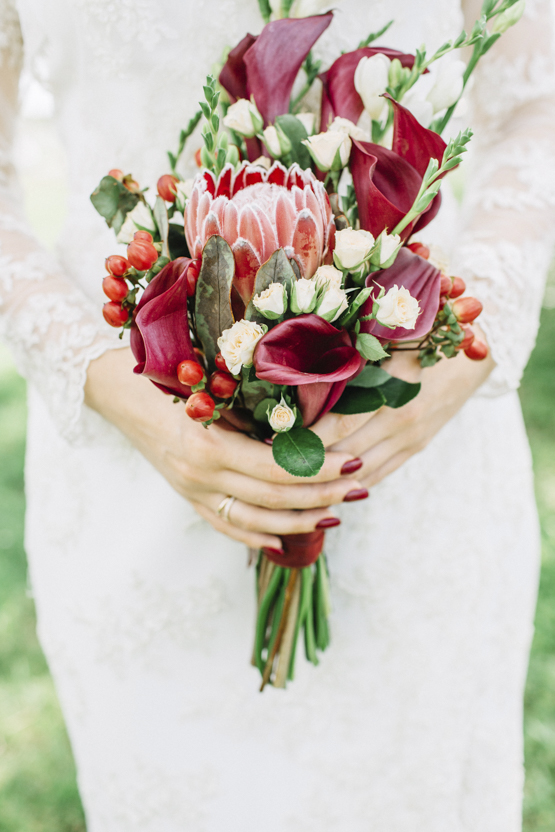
(37, 777)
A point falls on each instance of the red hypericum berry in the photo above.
(143, 235)
(131, 185)
(458, 287)
(115, 288)
(469, 337)
(116, 173)
(445, 285)
(219, 361)
(466, 310)
(117, 265)
(141, 254)
(190, 373)
(198, 158)
(114, 313)
(200, 407)
(191, 277)
(420, 249)
(477, 351)
(167, 187)
(442, 301)
(222, 385)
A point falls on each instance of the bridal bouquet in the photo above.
(269, 290)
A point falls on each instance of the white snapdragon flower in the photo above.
(328, 276)
(237, 344)
(352, 248)
(331, 150)
(272, 302)
(308, 121)
(371, 80)
(448, 85)
(282, 417)
(140, 217)
(398, 308)
(343, 125)
(303, 296)
(332, 304)
(244, 118)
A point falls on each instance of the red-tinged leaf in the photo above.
(412, 142)
(233, 76)
(423, 282)
(275, 58)
(213, 296)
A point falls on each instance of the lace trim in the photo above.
(11, 40)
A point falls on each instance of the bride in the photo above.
(145, 606)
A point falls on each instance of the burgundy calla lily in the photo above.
(339, 96)
(160, 338)
(266, 67)
(423, 282)
(310, 353)
(387, 181)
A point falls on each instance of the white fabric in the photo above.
(413, 719)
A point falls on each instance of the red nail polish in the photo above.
(269, 551)
(356, 494)
(328, 522)
(351, 466)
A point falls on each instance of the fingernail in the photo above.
(328, 522)
(356, 494)
(268, 551)
(351, 466)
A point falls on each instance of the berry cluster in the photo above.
(201, 405)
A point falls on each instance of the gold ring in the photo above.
(225, 507)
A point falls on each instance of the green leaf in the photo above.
(398, 392)
(299, 451)
(375, 35)
(371, 376)
(350, 314)
(255, 390)
(212, 296)
(370, 348)
(296, 133)
(177, 242)
(113, 201)
(261, 409)
(277, 269)
(265, 10)
(359, 400)
(161, 219)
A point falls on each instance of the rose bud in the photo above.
(222, 385)
(115, 288)
(116, 173)
(458, 287)
(190, 373)
(116, 265)
(477, 351)
(191, 277)
(466, 310)
(141, 254)
(445, 284)
(143, 235)
(469, 337)
(167, 187)
(219, 361)
(114, 313)
(420, 249)
(200, 407)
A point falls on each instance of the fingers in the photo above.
(335, 427)
(255, 519)
(253, 539)
(392, 463)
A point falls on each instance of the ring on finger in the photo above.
(225, 507)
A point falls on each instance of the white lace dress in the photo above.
(412, 721)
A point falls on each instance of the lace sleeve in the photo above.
(509, 206)
(52, 330)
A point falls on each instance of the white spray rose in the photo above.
(308, 121)
(352, 248)
(328, 276)
(276, 141)
(330, 150)
(272, 302)
(140, 217)
(398, 308)
(332, 304)
(238, 343)
(371, 80)
(508, 18)
(244, 118)
(387, 247)
(282, 417)
(343, 125)
(448, 86)
(303, 296)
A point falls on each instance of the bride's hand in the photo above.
(386, 439)
(205, 466)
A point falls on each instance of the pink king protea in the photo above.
(258, 211)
